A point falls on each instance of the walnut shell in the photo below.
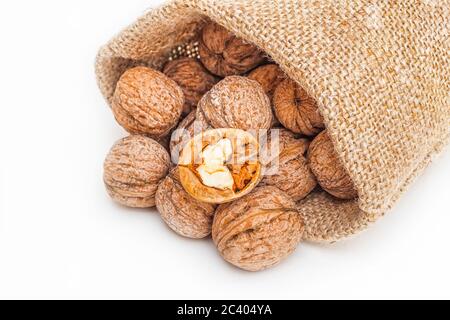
(147, 102)
(193, 79)
(291, 172)
(269, 76)
(327, 168)
(236, 102)
(182, 213)
(224, 54)
(259, 230)
(133, 169)
(296, 110)
(243, 166)
(186, 130)
(275, 140)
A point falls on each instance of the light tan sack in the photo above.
(380, 71)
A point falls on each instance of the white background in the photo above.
(62, 237)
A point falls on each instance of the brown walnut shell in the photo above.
(186, 130)
(327, 168)
(147, 102)
(133, 169)
(296, 110)
(182, 213)
(275, 140)
(236, 102)
(269, 76)
(290, 171)
(259, 230)
(243, 165)
(193, 79)
(224, 54)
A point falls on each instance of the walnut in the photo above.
(236, 102)
(186, 130)
(259, 230)
(193, 79)
(220, 165)
(182, 213)
(133, 169)
(224, 54)
(290, 172)
(296, 110)
(327, 168)
(275, 140)
(269, 76)
(147, 102)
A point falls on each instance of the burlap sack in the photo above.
(379, 70)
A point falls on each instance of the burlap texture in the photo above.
(379, 70)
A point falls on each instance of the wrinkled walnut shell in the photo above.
(258, 230)
(224, 54)
(275, 140)
(296, 110)
(133, 169)
(244, 165)
(147, 102)
(182, 213)
(328, 169)
(292, 173)
(269, 77)
(193, 79)
(186, 130)
(236, 102)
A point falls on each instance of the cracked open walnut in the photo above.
(220, 165)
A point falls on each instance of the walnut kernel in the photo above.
(220, 165)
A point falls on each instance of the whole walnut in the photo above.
(269, 76)
(259, 230)
(236, 102)
(186, 130)
(182, 213)
(147, 102)
(133, 169)
(224, 54)
(290, 171)
(296, 110)
(327, 168)
(193, 79)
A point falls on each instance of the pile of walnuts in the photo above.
(220, 184)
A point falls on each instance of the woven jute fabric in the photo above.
(379, 70)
